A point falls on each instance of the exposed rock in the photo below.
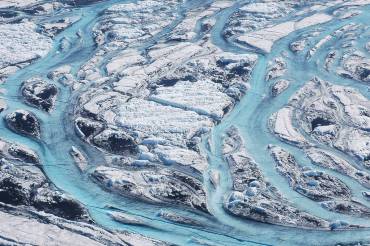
(329, 60)
(117, 142)
(316, 185)
(79, 158)
(126, 219)
(39, 94)
(279, 86)
(159, 186)
(23, 154)
(16, 152)
(298, 45)
(366, 194)
(357, 67)
(254, 198)
(347, 207)
(330, 161)
(57, 203)
(339, 117)
(175, 218)
(27, 185)
(214, 177)
(54, 28)
(277, 69)
(86, 128)
(24, 122)
(333, 194)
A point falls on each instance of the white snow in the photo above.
(175, 155)
(152, 119)
(284, 128)
(20, 43)
(201, 96)
(264, 39)
(17, 3)
(32, 232)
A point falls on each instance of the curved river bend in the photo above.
(249, 116)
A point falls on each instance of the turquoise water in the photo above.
(250, 116)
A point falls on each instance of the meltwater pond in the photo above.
(250, 116)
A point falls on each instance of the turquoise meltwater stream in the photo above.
(249, 116)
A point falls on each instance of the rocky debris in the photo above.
(8, 15)
(79, 158)
(253, 197)
(276, 69)
(63, 76)
(185, 159)
(366, 194)
(23, 154)
(314, 184)
(329, 60)
(179, 219)
(101, 105)
(26, 185)
(356, 66)
(142, 108)
(334, 115)
(117, 142)
(214, 177)
(158, 186)
(51, 29)
(333, 162)
(43, 8)
(347, 207)
(238, 162)
(87, 128)
(147, 123)
(217, 80)
(157, 126)
(126, 218)
(279, 86)
(333, 194)
(298, 45)
(186, 30)
(24, 122)
(16, 152)
(59, 204)
(355, 142)
(39, 94)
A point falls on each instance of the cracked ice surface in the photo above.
(17, 48)
(147, 122)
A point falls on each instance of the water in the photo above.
(249, 116)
